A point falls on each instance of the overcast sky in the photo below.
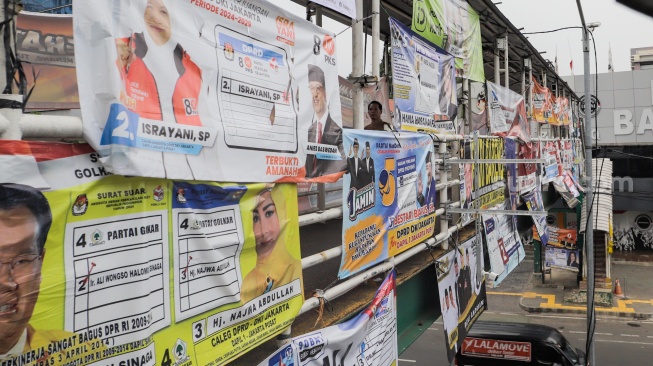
(621, 28)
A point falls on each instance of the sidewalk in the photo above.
(560, 293)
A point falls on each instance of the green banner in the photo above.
(454, 26)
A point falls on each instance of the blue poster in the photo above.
(424, 82)
(389, 196)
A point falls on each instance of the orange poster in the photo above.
(45, 45)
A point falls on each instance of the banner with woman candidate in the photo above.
(424, 83)
(198, 89)
(562, 258)
(367, 339)
(455, 26)
(461, 291)
(389, 196)
(118, 270)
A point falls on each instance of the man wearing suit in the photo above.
(367, 175)
(355, 168)
(428, 195)
(323, 130)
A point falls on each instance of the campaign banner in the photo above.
(512, 179)
(566, 186)
(389, 196)
(541, 102)
(462, 292)
(490, 191)
(561, 258)
(527, 172)
(45, 46)
(367, 339)
(378, 92)
(534, 202)
(423, 83)
(507, 112)
(196, 90)
(345, 7)
(146, 270)
(455, 26)
(504, 245)
(557, 112)
(553, 166)
(560, 237)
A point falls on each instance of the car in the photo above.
(516, 344)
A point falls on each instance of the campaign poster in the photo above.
(455, 26)
(196, 90)
(462, 292)
(507, 112)
(423, 83)
(553, 166)
(345, 7)
(512, 179)
(378, 92)
(367, 339)
(389, 196)
(560, 237)
(534, 202)
(541, 102)
(148, 270)
(561, 258)
(504, 245)
(567, 188)
(527, 172)
(45, 46)
(491, 185)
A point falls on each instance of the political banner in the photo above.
(527, 172)
(507, 112)
(45, 46)
(367, 339)
(560, 237)
(541, 102)
(504, 245)
(345, 7)
(553, 166)
(389, 196)
(534, 202)
(512, 179)
(490, 191)
(455, 26)
(557, 114)
(566, 186)
(196, 90)
(462, 292)
(378, 92)
(561, 258)
(423, 83)
(146, 270)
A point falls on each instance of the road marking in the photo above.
(556, 317)
(576, 332)
(625, 342)
(605, 334)
(630, 335)
(432, 328)
(402, 360)
(649, 336)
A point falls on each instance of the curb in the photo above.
(537, 309)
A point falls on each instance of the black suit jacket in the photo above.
(356, 176)
(368, 175)
(332, 135)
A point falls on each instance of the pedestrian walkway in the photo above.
(558, 292)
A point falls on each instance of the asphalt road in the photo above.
(618, 341)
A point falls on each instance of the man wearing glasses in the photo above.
(25, 219)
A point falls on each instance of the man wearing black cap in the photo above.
(428, 196)
(355, 168)
(323, 129)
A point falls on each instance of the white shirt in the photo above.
(161, 63)
(17, 349)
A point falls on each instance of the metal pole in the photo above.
(506, 69)
(477, 201)
(358, 66)
(589, 230)
(376, 37)
(444, 194)
(318, 16)
(497, 67)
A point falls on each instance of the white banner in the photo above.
(368, 339)
(507, 112)
(346, 7)
(194, 89)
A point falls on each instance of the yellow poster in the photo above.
(108, 269)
